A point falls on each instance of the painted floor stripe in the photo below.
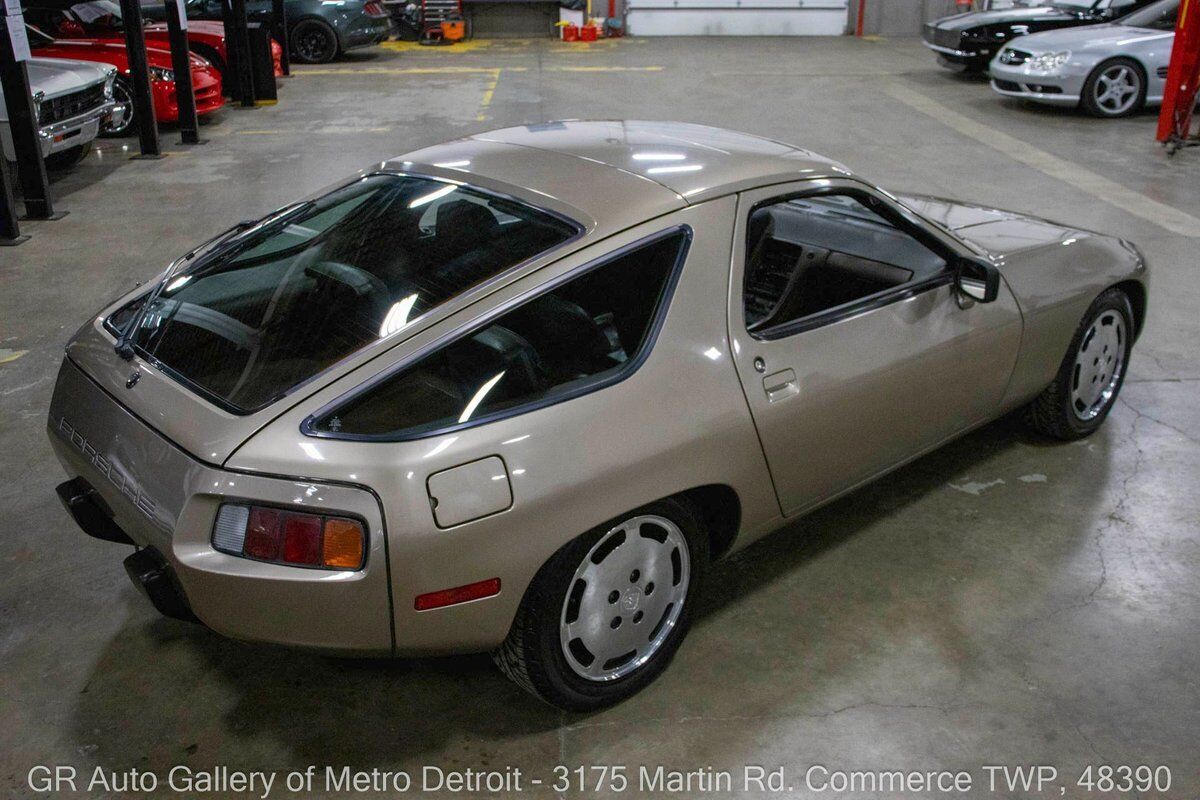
(460, 70)
(404, 71)
(603, 69)
(1111, 192)
(488, 93)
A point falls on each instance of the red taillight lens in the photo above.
(289, 537)
(302, 539)
(459, 594)
(375, 9)
(262, 534)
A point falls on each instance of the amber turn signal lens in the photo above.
(342, 545)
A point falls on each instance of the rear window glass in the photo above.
(295, 295)
(572, 339)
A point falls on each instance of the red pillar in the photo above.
(1183, 75)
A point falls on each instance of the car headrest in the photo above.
(463, 226)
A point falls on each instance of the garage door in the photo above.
(734, 18)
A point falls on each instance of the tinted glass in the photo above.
(812, 254)
(306, 288)
(1159, 16)
(559, 344)
(98, 17)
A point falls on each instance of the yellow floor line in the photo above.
(488, 93)
(7, 355)
(404, 70)
(604, 69)
(463, 70)
(1111, 192)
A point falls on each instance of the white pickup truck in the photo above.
(72, 99)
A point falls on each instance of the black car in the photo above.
(318, 30)
(968, 41)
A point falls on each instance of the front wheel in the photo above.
(313, 42)
(1116, 88)
(1091, 373)
(123, 97)
(605, 614)
(68, 158)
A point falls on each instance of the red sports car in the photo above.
(100, 20)
(206, 81)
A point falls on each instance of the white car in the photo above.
(72, 99)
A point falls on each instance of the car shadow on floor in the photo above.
(165, 692)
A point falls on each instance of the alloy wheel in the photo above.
(1099, 364)
(1117, 89)
(124, 100)
(625, 598)
(313, 44)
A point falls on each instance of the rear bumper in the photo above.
(165, 500)
(365, 32)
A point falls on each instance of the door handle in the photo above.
(780, 385)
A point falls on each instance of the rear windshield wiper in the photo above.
(124, 345)
(213, 247)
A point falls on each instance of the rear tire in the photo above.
(641, 593)
(1091, 373)
(313, 41)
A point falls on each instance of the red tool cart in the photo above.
(442, 21)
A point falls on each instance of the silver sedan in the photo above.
(1110, 70)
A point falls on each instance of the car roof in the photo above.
(617, 172)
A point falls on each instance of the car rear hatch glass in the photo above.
(269, 308)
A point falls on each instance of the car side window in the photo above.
(1156, 17)
(810, 255)
(581, 335)
(1167, 21)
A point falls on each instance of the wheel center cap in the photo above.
(632, 599)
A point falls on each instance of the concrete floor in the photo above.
(1003, 601)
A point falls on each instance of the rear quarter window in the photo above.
(586, 333)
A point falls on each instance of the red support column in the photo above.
(1183, 78)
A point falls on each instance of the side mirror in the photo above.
(978, 280)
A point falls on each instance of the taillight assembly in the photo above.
(289, 537)
(375, 9)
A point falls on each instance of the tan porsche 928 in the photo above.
(515, 392)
